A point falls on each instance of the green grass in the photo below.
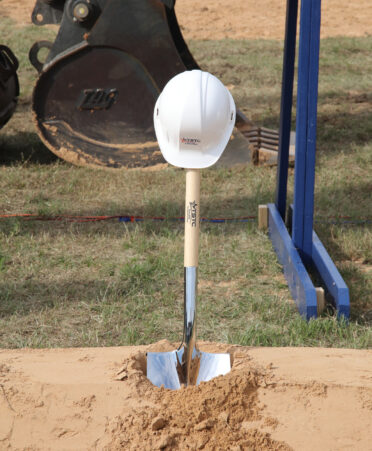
(112, 283)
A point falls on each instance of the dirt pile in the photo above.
(209, 416)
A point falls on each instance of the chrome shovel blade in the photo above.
(213, 365)
(162, 369)
(165, 368)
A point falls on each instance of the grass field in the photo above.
(110, 283)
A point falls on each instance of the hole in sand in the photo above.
(139, 362)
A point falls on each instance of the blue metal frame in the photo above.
(303, 249)
(286, 105)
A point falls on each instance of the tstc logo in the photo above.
(190, 141)
(192, 213)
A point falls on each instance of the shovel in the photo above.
(193, 117)
(188, 365)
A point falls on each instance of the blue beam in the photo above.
(331, 277)
(300, 285)
(286, 106)
(306, 122)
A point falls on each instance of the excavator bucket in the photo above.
(9, 87)
(93, 101)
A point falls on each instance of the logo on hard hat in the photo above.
(190, 141)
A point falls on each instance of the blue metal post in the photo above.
(307, 97)
(286, 106)
(303, 248)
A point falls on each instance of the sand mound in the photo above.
(100, 398)
(208, 416)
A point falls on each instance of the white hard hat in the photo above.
(194, 117)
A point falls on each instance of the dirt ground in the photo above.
(273, 399)
(237, 19)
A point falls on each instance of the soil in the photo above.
(273, 399)
(237, 19)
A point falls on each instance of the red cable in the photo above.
(132, 219)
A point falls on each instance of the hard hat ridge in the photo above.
(191, 124)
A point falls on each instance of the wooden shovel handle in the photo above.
(192, 217)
